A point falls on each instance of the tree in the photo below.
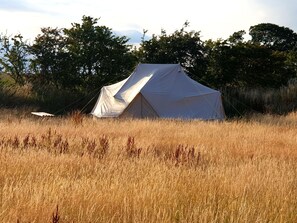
(222, 64)
(82, 57)
(273, 36)
(97, 55)
(291, 62)
(264, 67)
(14, 59)
(51, 61)
(237, 38)
(282, 40)
(181, 47)
(235, 63)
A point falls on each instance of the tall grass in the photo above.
(45, 98)
(110, 170)
(239, 102)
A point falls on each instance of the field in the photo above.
(76, 169)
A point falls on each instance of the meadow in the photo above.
(77, 169)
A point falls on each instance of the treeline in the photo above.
(88, 56)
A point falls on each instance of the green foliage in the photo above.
(62, 64)
(14, 58)
(50, 60)
(183, 47)
(97, 55)
(237, 38)
(228, 63)
(82, 57)
(274, 36)
(234, 63)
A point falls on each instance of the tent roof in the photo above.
(158, 78)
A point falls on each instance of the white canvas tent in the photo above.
(159, 90)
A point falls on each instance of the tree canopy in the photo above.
(183, 47)
(273, 36)
(82, 57)
(14, 57)
(88, 55)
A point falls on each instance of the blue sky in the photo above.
(214, 18)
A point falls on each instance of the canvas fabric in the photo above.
(159, 90)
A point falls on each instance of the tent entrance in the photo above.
(139, 108)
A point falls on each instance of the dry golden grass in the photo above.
(147, 171)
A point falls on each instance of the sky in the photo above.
(213, 18)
